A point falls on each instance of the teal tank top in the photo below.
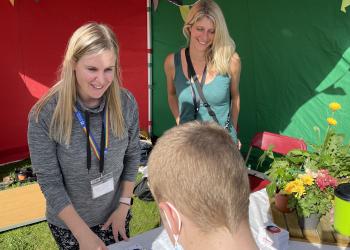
(217, 92)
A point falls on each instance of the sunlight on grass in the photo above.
(34, 237)
(38, 236)
(145, 217)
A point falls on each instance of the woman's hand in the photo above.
(87, 239)
(117, 220)
(90, 241)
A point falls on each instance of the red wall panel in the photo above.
(33, 39)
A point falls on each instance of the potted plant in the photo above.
(330, 155)
(282, 170)
(312, 195)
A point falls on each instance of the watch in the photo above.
(126, 201)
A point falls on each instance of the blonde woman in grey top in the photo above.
(84, 147)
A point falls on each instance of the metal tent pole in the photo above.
(149, 63)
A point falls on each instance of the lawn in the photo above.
(38, 236)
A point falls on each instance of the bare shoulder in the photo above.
(169, 61)
(169, 66)
(235, 59)
(235, 64)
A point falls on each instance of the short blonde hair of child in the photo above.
(197, 167)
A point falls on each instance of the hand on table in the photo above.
(117, 220)
(90, 241)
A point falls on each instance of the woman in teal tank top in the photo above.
(216, 65)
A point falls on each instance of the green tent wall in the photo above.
(295, 60)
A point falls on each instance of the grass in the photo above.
(145, 217)
(38, 236)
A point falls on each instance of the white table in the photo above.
(259, 216)
(154, 239)
(145, 240)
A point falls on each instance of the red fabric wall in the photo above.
(33, 39)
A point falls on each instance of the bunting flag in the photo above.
(184, 9)
(13, 2)
(35, 88)
(344, 4)
(155, 4)
(176, 2)
(181, 2)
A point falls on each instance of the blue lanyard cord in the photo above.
(88, 145)
(91, 142)
(82, 122)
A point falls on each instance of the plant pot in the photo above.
(310, 222)
(342, 208)
(281, 203)
(6, 182)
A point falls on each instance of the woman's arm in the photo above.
(81, 231)
(132, 153)
(45, 164)
(169, 69)
(235, 68)
(131, 162)
(117, 218)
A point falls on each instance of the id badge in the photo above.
(102, 185)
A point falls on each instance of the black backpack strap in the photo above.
(192, 74)
(195, 99)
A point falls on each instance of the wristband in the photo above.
(126, 201)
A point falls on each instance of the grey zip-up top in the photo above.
(62, 171)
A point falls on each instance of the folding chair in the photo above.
(280, 144)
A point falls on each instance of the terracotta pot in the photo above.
(21, 177)
(281, 203)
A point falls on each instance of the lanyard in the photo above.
(192, 75)
(99, 152)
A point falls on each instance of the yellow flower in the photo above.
(299, 190)
(331, 121)
(334, 106)
(307, 179)
(289, 187)
(299, 182)
(296, 187)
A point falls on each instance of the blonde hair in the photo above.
(219, 54)
(197, 168)
(91, 38)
